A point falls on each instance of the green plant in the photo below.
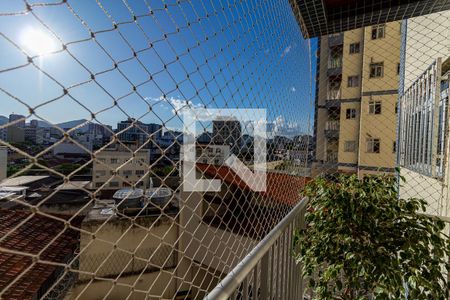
(362, 241)
(67, 168)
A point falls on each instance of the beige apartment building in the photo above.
(356, 95)
(116, 168)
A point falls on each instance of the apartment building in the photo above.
(227, 131)
(135, 131)
(356, 94)
(115, 168)
(212, 154)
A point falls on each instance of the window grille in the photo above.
(376, 70)
(375, 107)
(350, 113)
(378, 32)
(373, 145)
(354, 48)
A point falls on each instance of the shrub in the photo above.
(361, 240)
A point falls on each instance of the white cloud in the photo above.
(286, 51)
(293, 89)
(177, 104)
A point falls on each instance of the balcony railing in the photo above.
(332, 157)
(269, 270)
(332, 129)
(332, 125)
(334, 94)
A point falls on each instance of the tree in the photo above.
(362, 240)
(66, 168)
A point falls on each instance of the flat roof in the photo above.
(4, 195)
(12, 189)
(73, 185)
(21, 180)
(322, 17)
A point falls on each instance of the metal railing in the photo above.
(333, 94)
(269, 270)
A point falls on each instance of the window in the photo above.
(373, 145)
(398, 69)
(100, 173)
(353, 81)
(378, 32)
(394, 147)
(376, 70)
(114, 184)
(114, 160)
(375, 107)
(140, 172)
(350, 113)
(349, 146)
(127, 172)
(396, 108)
(99, 184)
(354, 48)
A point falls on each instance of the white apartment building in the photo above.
(3, 162)
(117, 168)
(212, 154)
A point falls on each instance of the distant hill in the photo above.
(72, 124)
(44, 124)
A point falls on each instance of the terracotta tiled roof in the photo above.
(31, 237)
(281, 188)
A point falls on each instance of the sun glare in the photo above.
(38, 42)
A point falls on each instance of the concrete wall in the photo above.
(428, 37)
(434, 191)
(152, 239)
(157, 283)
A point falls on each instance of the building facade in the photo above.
(227, 131)
(137, 132)
(34, 135)
(356, 96)
(212, 154)
(115, 168)
(19, 119)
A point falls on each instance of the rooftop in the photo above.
(73, 185)
(31, 238)
(280, 188)
(21, 180)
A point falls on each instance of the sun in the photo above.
(38, 42)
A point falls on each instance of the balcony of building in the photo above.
(332, 129)
(335, 61)
(333, 95)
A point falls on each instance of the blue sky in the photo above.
(246, 55)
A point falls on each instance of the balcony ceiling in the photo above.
(321, 17)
